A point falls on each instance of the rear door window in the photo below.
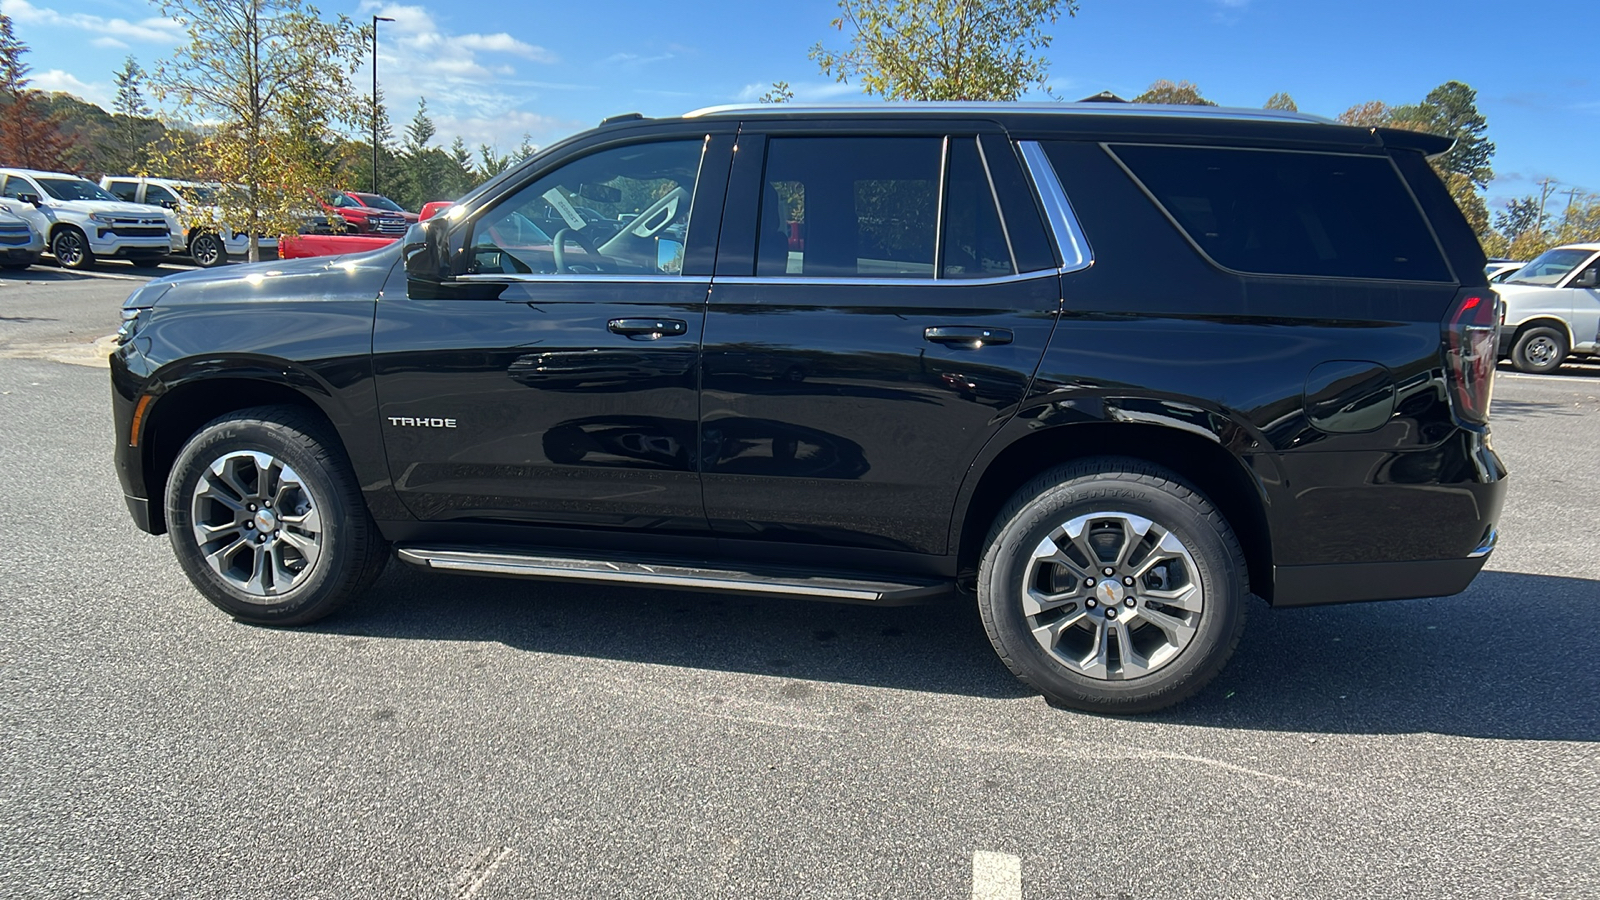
(850, 207)
(157, 195)
(125, 190)
(1277, 212)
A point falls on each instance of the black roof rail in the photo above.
(624, 117)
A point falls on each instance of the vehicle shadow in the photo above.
(1512, 657)
(47, 271)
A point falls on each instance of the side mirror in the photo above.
(669, 256)
(30, 199)
(1588, 278)
(169, 204)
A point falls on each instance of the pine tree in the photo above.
(130, 107)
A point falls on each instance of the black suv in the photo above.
(1112, 370)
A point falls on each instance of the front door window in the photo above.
(622, 211)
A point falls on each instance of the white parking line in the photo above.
(1566, 379)
(996, 876)
(469, 881)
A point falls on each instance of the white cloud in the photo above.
(154, 29)
(59, 80)
(805, 92)
(505, 131)
(109, 43)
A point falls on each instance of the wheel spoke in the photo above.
(307, 547)
(1177, 631)
(261, 573)
(1096, 663)
(1047, 634)
(1133, 665)
(289, 552)
(1185, 598)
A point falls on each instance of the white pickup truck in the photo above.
(1552, 309)
(81, 222)
(204, 236)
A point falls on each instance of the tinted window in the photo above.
(155, 193)
(619, 211)
(74, 189)
(850, 207)
(16, 187)
(974, 243)
(125, 190)
(1283, 213)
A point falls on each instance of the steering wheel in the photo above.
(558, 249)
(654, 220)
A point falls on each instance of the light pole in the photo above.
(375, 21)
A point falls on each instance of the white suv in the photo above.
(81, 222)
(1552, 308)
(204, 237)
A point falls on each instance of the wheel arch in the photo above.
(1555, 322)
(1222, 476)
(58, 227)
(190, 400)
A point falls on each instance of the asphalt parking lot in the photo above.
(464, 738)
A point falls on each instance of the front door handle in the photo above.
(647, 329)
(970, 336)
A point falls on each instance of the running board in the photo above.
(840, 588)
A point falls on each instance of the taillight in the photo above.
(1469, 353)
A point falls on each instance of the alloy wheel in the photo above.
(257, 524)
(1112, 596)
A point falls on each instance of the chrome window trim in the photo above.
(596, 278)
(803, 280)
(1071, 243)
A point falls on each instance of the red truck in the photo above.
(301, 245)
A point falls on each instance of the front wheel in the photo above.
(1539, 350)
(207, 250)
(71, 249)
(1111, 585)
(267, 521)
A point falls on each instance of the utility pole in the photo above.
(375, 21)
(1545, 187)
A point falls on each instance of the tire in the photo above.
(1181, 619)
(70, 247)
(207, 250)
(333, 551)
(1539, 350)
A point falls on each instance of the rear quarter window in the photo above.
(1273, 212)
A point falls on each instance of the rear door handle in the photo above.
(647, 329)
(970, 336)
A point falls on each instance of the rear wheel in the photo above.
(71, 249)
(267, 521)
(1110, 585)
(1539, 350)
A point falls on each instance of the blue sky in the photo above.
(493, 70)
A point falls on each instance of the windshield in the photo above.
(1549, 267)
(378, 201)
(74, 189)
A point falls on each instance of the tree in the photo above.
(275, 78)
(780, 93)
(944, 49)
(1519, 217)
(1184, 93)
(29, 137)
(1580, 223)
(1281, 101)
(1371, 114)
(490, 162)
(130, 107)
(1451, 110)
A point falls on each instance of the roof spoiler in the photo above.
(1431, 145)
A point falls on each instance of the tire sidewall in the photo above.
(215, 441)
(1002, 582)
(1519, 354)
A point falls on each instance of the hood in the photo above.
(109, 207)
(303, 279)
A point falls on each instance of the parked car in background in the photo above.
(20, 242)
(1499, 270)
(368, 213)
(82, 222)
(206, 240)
(1552, 309)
